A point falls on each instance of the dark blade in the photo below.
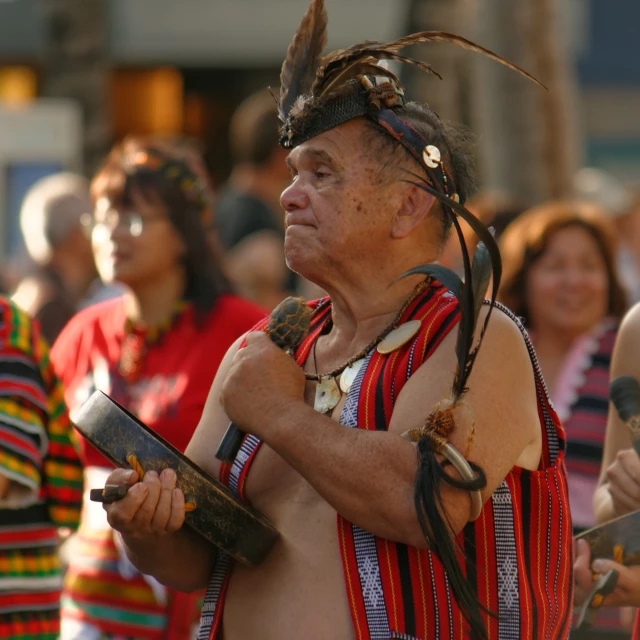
(625, 395)
(109, 494)
(603, 586)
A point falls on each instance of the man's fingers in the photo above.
(582, 571)
(162, 512)
(256, 337)
(624, 489)
(631, 462)
(142, 519)
(623, 501)
(126, 477)
(120, 514)
(176, 520)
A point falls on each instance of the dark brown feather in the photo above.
(368, 66)
(340, 61)
(303, 56)
(327, 80)
(357, 68)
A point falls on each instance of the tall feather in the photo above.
(481, 273)
(303, 57)
(340, 60)
(473, 287)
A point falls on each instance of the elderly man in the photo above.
(466, 534)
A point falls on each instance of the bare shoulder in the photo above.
(213, 422)
(625, 354)
(501, 401)
(629, 332)
(503, 336)
(503, 354)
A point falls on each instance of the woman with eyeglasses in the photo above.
(156, 351)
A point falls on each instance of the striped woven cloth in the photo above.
(39, 454)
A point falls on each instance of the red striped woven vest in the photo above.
(517, 553)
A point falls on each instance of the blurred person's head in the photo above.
(559, 269)
(51, 222)
(152, 205)
(253, 136)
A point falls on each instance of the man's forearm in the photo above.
(183, 560)
(367, 477)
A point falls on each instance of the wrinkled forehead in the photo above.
(337, 147)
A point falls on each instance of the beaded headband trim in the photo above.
(374, 97)
(154, 162)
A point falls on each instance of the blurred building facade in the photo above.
(73, 78)
(114, 67)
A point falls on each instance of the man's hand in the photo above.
(627, 591)
(623, 481)
(151, 509)
(262, 382)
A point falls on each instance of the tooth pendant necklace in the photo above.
(330, 386)
(327, 395)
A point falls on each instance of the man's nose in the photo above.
(293, 197)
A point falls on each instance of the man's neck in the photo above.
(362, 310)
(153, 302)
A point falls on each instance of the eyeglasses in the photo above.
(132, 222)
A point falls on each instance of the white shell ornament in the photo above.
(431, 156)
(399, 336)
(327, 395)
(350, 374)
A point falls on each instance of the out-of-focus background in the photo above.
(76, 75)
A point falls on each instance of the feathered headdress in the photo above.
(318, 93)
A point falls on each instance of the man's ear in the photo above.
(415, 205)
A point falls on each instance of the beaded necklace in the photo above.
(329, 389)
(334, 373)
(138, 337)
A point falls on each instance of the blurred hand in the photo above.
(151, 509)
(623, 480)
(627, 591)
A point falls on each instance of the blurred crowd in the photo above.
(143, 277)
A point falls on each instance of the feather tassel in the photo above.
(437, 529)
(431, 473)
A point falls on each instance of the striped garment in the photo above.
(38, 453)
(585, 422)
(517, 553)
(584, 408)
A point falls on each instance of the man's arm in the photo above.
(619, 485)
(368, 477)
(151, 515)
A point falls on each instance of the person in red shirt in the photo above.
(155, 350)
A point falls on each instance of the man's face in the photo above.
(337, 213)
